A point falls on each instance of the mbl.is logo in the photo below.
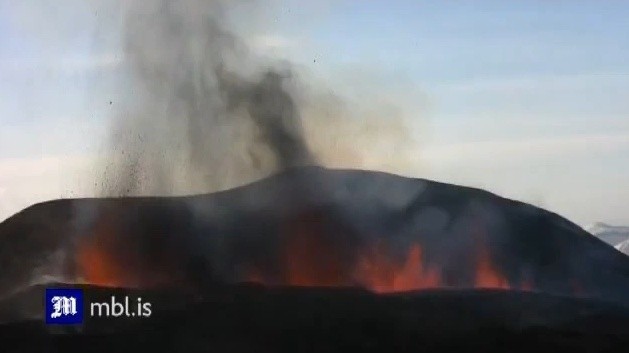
(64, 306)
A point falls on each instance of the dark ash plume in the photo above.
(275, 113)
(204, 111)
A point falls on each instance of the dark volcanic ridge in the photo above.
(312, 226)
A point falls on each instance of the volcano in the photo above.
(372, 234)
(312, 226)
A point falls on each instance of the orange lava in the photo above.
(487, 275)
(96, 263)
(107, 258)
(310, 257)
(378, 273)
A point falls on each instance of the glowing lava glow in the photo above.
(107, 258)
(487, 276)
(376, 270)
(98, 269)
(310, 256)
(96, 263)
(310, 252)
(378, 273)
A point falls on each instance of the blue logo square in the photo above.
(64, 306)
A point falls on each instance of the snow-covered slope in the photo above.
(623, 247)
(613, 235)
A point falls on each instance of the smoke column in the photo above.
(204, 109)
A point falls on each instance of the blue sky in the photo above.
(529, 99)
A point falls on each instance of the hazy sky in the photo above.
(528, 99)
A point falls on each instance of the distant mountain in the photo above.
(612, 235)
(623, 247)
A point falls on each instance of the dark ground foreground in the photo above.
(255, 319)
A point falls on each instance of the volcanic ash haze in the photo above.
(207, 110)
(206, 113)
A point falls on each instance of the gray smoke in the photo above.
(203, 110)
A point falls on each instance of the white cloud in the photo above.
(525, 149)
